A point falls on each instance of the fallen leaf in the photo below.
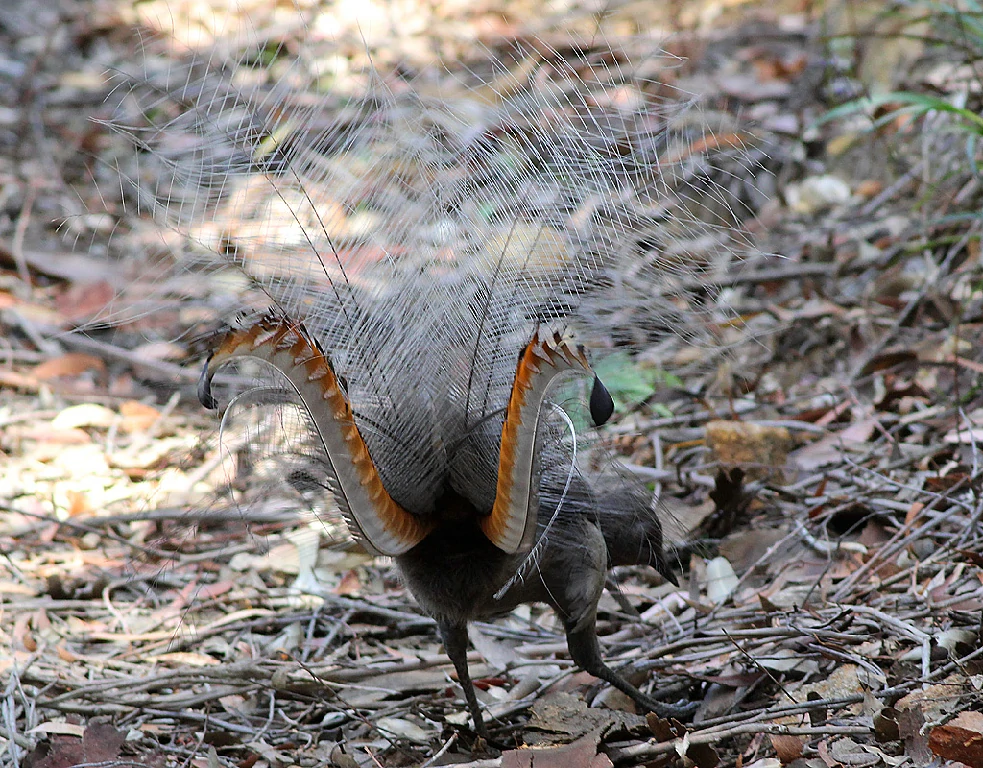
(78, 503)
(849, 752)
(721, 580)
(403, 729)
(70, 364)
(23, 636)
(99, 743)
(960, 739)
(817, 193)
(910, 722)
(67, 729)
(788, 748)
(582, 752)
(84, 415)
(85, 301)
(869, 188)
(137, 416)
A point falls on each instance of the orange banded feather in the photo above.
(511, 526)
(374, 516)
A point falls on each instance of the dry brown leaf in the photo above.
(745, 547)
(910, 722)
(15, 380)
(842, 682)
(960, 739)
(137, 416)
(65, 654)
(788, 748)
(846, 751)
(84, 301)
(100, 743)
(22, 633)
(869, 188)
(55, 437)
(70, 364)
(913, 511)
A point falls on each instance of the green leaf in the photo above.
(662, 411)
(628, 381)
(913, 103)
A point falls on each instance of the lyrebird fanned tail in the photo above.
(419, 242)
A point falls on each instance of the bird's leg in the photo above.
(573, 580)
(586, 652)
(455, 638)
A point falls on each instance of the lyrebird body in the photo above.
(458, 575)
(418, 255)
(546, 536)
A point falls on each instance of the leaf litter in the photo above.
(827, 466)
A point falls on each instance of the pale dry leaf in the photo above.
(721, 580)
(403, 729)
(84, 415)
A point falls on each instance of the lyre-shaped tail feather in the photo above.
(376, 519)
(511, 526)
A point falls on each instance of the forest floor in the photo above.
(145, 621)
